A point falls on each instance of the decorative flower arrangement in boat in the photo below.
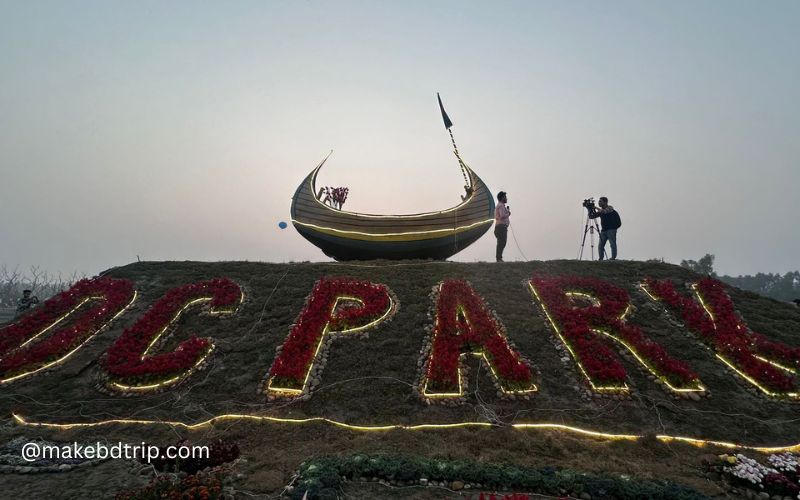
(334, 196)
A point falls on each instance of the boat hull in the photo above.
(341, 249)
(344, 235)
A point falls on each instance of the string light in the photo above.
(481, 354)
(697, 386)
(293, 392)
(726, 361)
(313, 186)
(70, 353)
(405, 233)
(614, 388)
(59, 320)
(173, 380)
(19, 419)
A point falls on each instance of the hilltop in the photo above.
(369, 381)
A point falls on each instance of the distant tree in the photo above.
(703, 266)
(41, 283)
(786, 287)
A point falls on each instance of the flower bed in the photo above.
(778, 478)
(207, 485)
(463, 324)
(24, 347)
(336, 306)
(582, 329)
(323, 477)
(128, 362)
(766, 364)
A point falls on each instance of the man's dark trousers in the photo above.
(501, 233)
(609, 235)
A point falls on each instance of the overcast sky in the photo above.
(180, 130)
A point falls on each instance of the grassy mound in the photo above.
(369, 381)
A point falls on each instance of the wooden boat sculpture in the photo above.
(438, 235)
(346, 235)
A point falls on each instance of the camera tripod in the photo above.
(589, 227)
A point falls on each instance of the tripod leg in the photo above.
(583, 240)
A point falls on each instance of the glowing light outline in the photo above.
(480, 353)
(164, 383)
(556, 329)
(20, 420)
(313, 185)
(697, 382)
(289, 391)
(431, 231)
(57, 321)
(64, 358)
(727, 362)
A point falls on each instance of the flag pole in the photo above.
(448, 124)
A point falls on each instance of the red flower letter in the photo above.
(464, 325)
(767, 365)
(336, 306)
(581, 329)
(24, 347)
(129, 362)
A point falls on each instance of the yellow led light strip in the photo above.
(313, 185)
(739, 327)
(596, 302)
(66, 356)
(290, 391)
(614, 388)
(727, 362)
(481, 354)
(402, 427)
(362, 233)
(591, 298)
(164, 383)
(698, 387)
(57, 321)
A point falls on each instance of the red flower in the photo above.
(721, 328)
(128, 360)
(21, 352)
(580, 329)
(463, 324)
(318, 317)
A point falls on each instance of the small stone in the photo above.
(457, 485)
(694, 396)
(423, 481)
(586, 496)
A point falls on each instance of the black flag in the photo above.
(447, 122)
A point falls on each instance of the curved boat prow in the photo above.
(345, 235)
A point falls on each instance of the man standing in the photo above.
(501, 222)
(611, 222)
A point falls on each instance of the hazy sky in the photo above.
(180, 130)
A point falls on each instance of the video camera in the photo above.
(588, 204)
